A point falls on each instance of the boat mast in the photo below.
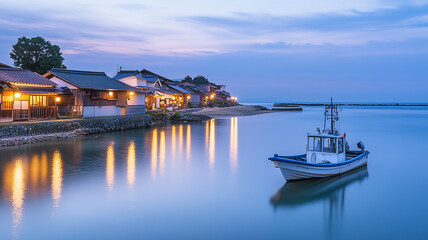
(331, 116)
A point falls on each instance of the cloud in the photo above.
(169, 28)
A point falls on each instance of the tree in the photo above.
(201, 80)
(187, 79)
(36, 54)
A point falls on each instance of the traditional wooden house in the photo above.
(25, 95)
(198, 96)
(95, 94)
(160, 93)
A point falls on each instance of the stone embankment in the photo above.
(31, 132)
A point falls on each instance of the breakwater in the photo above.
(22, 133)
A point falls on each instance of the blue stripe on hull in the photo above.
(293, 159)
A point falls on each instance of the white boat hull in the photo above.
(293, 171)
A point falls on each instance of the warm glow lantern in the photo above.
(131, 93)
(188, 97)
(57, 99)
(162, 97)
(173, 98)
(110, 94)
(17, 95)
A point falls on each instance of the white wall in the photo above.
(136, 99)
(62, 83)
(133, 81)
(195, 99)
(96, 111)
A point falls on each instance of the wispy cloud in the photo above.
(170, 28)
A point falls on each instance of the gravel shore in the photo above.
(244, 110)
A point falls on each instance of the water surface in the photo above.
(212, 180)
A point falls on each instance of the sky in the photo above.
(263, 51)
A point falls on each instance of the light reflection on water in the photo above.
(18, 194)
(56, 177)
(131, 164)
(211, 140)
(110, 166)
(106, 184)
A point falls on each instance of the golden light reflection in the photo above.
(188, 141)
(43, 170)
(207, 132)
(154, 162)
(18, 192)
(211, 150)
(131, 164)
(233, 142)
(35, 171)
(180, 139)
(110, 166)
(57, 176)
(173, 140)
(162, 151)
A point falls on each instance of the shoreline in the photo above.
(235, 111)
(353, 104)
(20, 133)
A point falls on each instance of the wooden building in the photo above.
(160, 92)
(25, 95)
(94, 94)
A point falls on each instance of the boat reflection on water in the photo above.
(331, 191)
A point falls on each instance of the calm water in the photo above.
(213, 181)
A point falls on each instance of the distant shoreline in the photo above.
(354, 104)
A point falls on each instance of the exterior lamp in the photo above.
(110, 94)
(173, 98)
(188, 97)
(162, 97)
(181, 98)
(212, 96)
(131, 93)
(57, 99)
(17, 95)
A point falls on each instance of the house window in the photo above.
(38, 101)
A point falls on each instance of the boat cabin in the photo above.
(325, 148)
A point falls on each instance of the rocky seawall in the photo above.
(18, 134)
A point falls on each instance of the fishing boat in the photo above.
(327, 153)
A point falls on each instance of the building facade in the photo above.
(25, 95)
(94, 94)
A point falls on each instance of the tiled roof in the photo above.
(127, 73)
(89, 80)
(179, 89)
(153, 76)
(39, 90)
(17, 75)
(4, 65)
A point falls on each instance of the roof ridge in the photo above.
(77, 71)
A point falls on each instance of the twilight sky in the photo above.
(264, 51)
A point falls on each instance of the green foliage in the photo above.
(190, 105)
(187, 79)
(36, 54)
(198, 79)
(176, 116)
(201, 80)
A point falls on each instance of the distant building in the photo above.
(160, 92)
(198, 96)
(94, 94)
(25, 95)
